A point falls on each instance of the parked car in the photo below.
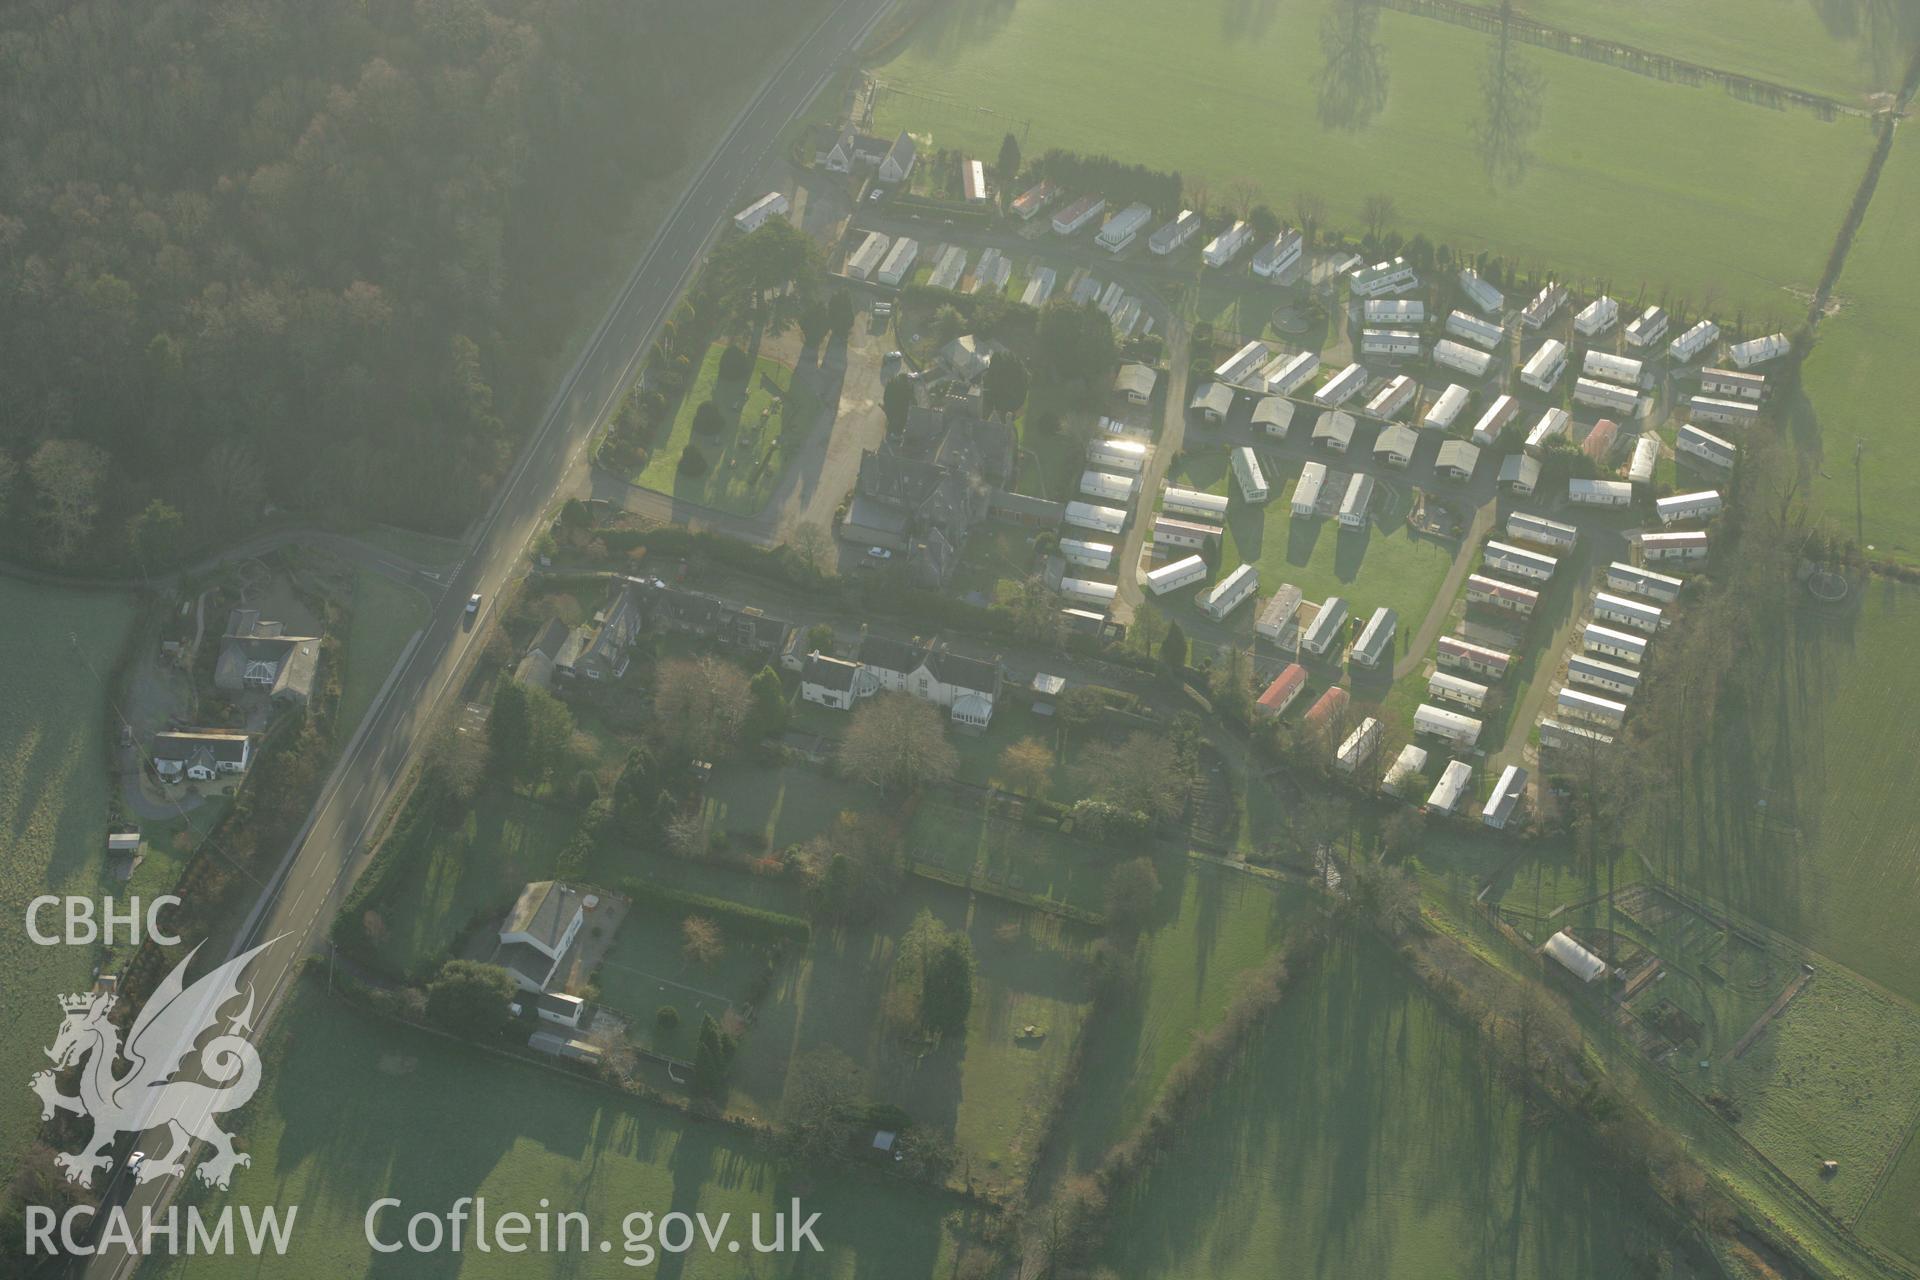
(880, 553)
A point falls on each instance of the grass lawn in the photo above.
(644, 970)
(1629, 215)
(994, 553)
(1890, 1219)
(1050, 461)
(1386, 563)
(455, 867)
(353, 1109)
(1363, 1135)
(1861, 381)
(54, 793)
(1789, 42)
(1215, 926)
(385, 615)
(762, 422)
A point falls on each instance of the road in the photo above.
(299, 905)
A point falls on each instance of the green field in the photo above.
(1861, 380)
(1791, 42)
(1363, 1135)
(385, 615)
(1386, 563)
(54, 793)
(1890, 1219)
(1652, 214)
(429, 1120)
(762, 423)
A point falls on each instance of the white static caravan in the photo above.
(1599, 493)
(1192, 502)
(1705, 446)
(948, 270)
(1119, 455)
(1278, 256)
(1664, 587)
(1699, 505)
(1438, 722)
(1242, 362)
(1745, 355)
(1648, 328)
(1452, 688)
(1359, 497)
(1687, 544)
(1226, 246)
(1175, 233)
(1124, 227)
(1283, 375)
(1481, 333)
(992, 273)
(1084, 622)
(1591, 707)
(1545, 305)
(1177, 574)
(1246, 470)
(1039, 287)
(1646, 456)
(1306, 490)
(1732, 413)
(1091, 555)
(762, 211)
(1451, 789)
(864, 261)
(1100, 593)
(1078, 214)
(1543, 367)
(1389, 342)
(1624, 370)
(1410, 761)
(1510, 596)
(1638, 614)
(1278, 612)
(1383, 278)
(1393, 311)
(1607, 395)
(1392, 398)
(973, 182)
(1109, 487)
(1598, 673)
(1611, 643)
(1461, 359)
(1342, 387)
(1732, 384)
(1230, 592)
(1327, 626)
(1502, 411)
(1395, 444)
(1087, 515)
(1519, 562)
(1508, 793)
(1480, 293)
(1548, 533)
(1554, 422)
(1596, 317)
(1359, 746)
(1376, 638)
(1273, 415)
(1446, 408)
(1085, 291)
(1169, 532)
(1465, 654)
(899, 262)
(1568, 735)
(1693, 341)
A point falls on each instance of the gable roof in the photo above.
(217, 747)
(543, 911)
(902, 152)
(836, 674)
(887, 654)
(967, 673)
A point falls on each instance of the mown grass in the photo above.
(385, 615)
(354, 1109)
(1364, 1134)
(1603, 197)
(54, 792)
(761, 423)
(1860, 382)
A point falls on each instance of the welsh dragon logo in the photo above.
(145, 1096)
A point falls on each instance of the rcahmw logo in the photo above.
(144, 1096)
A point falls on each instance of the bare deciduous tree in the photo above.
(66, 476)
(896, 740)
(700, 941)
(700, 704)
(1027, 765)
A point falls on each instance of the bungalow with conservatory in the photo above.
(257, 655)
(966, 688)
